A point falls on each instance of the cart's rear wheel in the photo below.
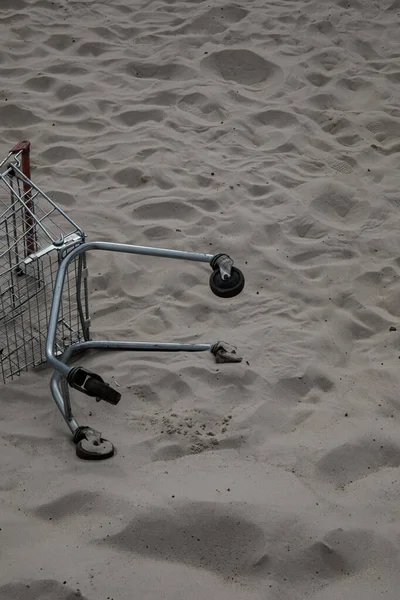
(94, 450)
(90, 445)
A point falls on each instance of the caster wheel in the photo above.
(94, 450)
(227, 288)
(102, 391)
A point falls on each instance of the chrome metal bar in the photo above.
(61, 402)
(140, 346)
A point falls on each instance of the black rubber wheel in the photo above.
(94, 450)
(102, 390)
(227, 288)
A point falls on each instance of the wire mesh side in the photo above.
(34, 236)
(25, 304)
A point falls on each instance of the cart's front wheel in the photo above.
(227, 288)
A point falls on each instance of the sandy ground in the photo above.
(268, 130)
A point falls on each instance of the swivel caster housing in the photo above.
(226, 281)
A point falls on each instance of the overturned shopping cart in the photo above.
(44, 309)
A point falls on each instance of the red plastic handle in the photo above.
(23, 146)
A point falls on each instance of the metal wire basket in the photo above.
(44, 314)
(35, 235)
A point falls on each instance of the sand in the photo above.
(268, 130)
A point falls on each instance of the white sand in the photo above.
(268, 130)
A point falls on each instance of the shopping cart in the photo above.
(44, 308)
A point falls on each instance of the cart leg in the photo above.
(226, 281)
(60, 393)
(90, 444)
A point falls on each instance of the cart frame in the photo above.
(225, 281)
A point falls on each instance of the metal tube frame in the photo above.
(58, 385)
(71, 245)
